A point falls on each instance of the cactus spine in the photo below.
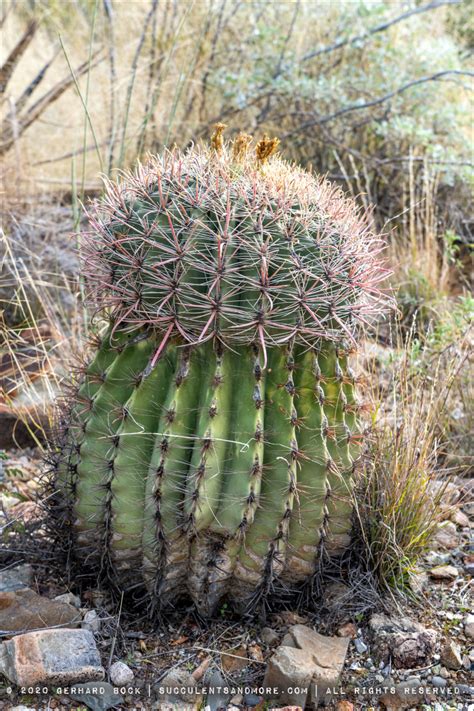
(209, 451)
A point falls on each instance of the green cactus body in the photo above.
(211, 447)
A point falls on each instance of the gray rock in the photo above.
(120, 674)
(444, 572)
(466, 690)
(51, 656)
(252, 700)
(23, 610)
(446, 537)
(436, 558)
(269, 636)
(290, 668)
(16, 578)
(451, 655)
(178, 685)
(468, 623)
(98, 696)
(91, 621)
(216, 699)
(360, 645)
(69, 598)
(438, 681)
(407, 643)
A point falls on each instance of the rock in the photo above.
(217, 698)
(436, 558)
(468, 623)
(460, 519)
(269, 636)
(51, 656)
(438, 681)
(408, 694)
(24, 610)
(451, 655)
(418, 581)
(328, 655)
(444, 572)
(360, 645)
(289, 668)
(69, 598)
(120, 674)
(286, 708)
(252, 700)
(178, 684)
(91, 621)
(12, 579)
(450, 492)
(407, 643)
(447, 536)
(344, 706)
(347, 630)
(97, 696)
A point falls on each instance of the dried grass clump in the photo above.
(397, 502)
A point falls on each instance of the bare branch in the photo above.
(15, 55)
(374, 102)
(379, 28)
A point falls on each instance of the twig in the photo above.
(374, 102)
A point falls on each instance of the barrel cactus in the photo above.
(210, 446)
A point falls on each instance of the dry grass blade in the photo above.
(398, 502)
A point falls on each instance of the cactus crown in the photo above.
(238, 246)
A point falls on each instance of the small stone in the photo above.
(347, 630)
(344, 706)
(69, 598)
(438, 681)
(91, 621)
(469, 567)
(237, 699)
(468, 623)
(446, 536)
(51, 656)
(460, 519)
(120, 674)
(97, 696)
(444, 572)
(16, 578)
(290, 668)
(288, 641)
(451, 655)
(360, 645)
(252, 700)
(269, 636)
(23, 610)
(408, 643)
(436, 558)
(466, 690)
